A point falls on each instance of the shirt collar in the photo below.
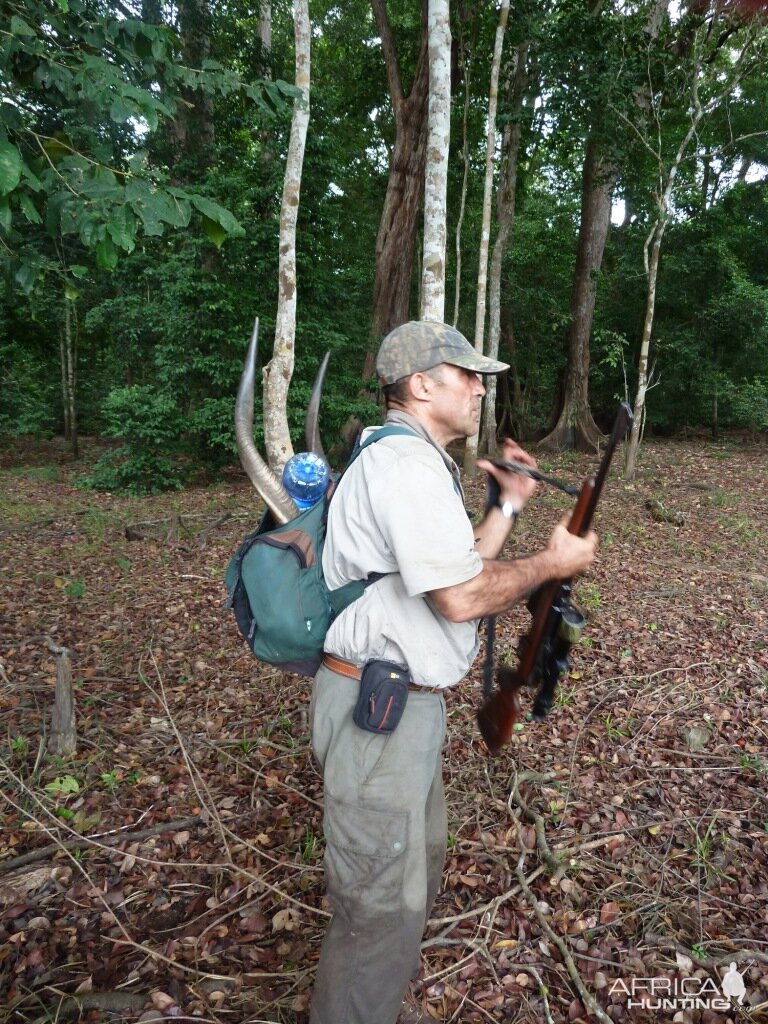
(405, 419)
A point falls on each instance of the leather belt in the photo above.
(352, 671)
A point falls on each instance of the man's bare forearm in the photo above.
(502, 584)
(499, 586)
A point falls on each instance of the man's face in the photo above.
(456, 399)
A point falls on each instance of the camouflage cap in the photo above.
(422, 344)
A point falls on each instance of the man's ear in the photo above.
(420, 386)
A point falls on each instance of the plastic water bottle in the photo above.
(305, 478)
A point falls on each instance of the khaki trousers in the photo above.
(385, 830)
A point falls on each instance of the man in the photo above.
(399, 512)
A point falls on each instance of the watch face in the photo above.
(507, 511)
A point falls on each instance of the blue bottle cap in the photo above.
(305, 478)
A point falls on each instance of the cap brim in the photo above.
(478, 363)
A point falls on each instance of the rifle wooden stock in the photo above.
(498, 715)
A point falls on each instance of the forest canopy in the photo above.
(142, 150)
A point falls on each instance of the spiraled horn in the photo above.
(261, 476)
(311, 428)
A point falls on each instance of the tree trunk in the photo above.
(396, 239)
(68, 348)
(652, 262)
(192, 133)
(715, 422)
(505, 217)
(516, 406)
(436, 169)
(64, 386)
(63, 738)
(464, 68)
(653, 242)
(575, 427)
(279, 370)
(470, 451)
(265, 38)
(744, 169)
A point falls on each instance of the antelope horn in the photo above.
(261, 476)
(311, 430)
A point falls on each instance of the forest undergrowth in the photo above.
(172, 868)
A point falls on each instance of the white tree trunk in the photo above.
(703, 66)
(465, 160)
(652, 254)
(436, 177)
(278, 373)
(470, 452)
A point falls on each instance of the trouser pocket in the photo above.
(364, 858)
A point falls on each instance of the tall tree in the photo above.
(76, 183)
(278, 372)
(436, 180)
(192, 129)
(575, 425)
(715, 54)
(506, 194)
(470, 450)
(618, 84)
(465, 69)
(396, 239)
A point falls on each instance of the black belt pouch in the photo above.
(383, 695)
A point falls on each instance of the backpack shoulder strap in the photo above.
(377, 435)
(339, 598)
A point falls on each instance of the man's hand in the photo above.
(571, 554)
(514, 488)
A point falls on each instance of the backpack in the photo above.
(277, 591)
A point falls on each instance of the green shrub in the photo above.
(749, 404)
(29, 403)
(150, 459)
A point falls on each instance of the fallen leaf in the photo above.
(162, 1001)
(609, 912)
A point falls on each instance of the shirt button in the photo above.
(397, 847)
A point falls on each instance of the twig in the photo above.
(109, 1002)
(487, 908)
(204, 796)
(571, 967)
(707, 962)
(45, 852)
(555, 866)
(530, 969)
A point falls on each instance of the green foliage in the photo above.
(64, 786)
(75, 589)
(95, 191)
(19, 747)
(82, 88)
(151, 429)
(27, 400)
(748, 402)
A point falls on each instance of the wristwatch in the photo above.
(507, 510)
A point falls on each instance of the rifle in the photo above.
(556, 625)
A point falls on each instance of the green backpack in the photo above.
(277, 590)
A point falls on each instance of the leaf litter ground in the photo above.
(173, 866)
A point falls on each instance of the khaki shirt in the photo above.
(396, 511)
